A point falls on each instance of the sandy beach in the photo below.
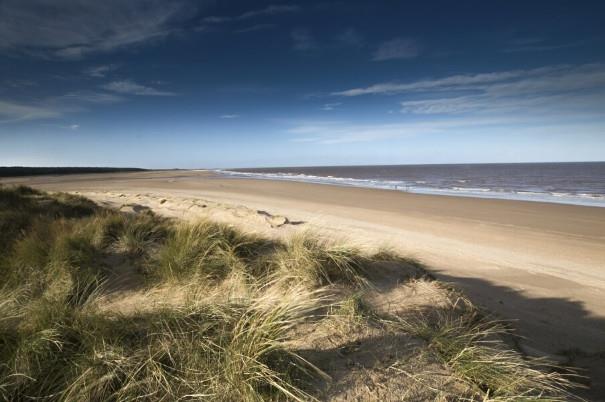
(539, 264)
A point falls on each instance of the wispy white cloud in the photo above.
(273, 9)
(571, 91)
(72, 29)
(461, 81)
(541, 48)
(335, 133)
(19, 83)
(14, 111)
(247, 89)
(270, 10)
(55, 106)
(525, 40)
(545, 105)
(514, 80)
(129, 87)
(345, 132)
(562, 99)
(398, 48)
(229, 116)
(100, 71)
(537, 44)
(330, 106)
(303, 40)
(255, 28)
(58, 106)
(350, 37)
(441, 105)
(339, 132)
(82, 97)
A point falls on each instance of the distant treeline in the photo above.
(15, 171)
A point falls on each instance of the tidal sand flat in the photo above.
(539, 264)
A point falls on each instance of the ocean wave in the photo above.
(531, 193)
(422, 187)
(471, 189)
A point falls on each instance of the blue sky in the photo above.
(187, 84)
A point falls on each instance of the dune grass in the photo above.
(474, 348)
(206, 250)
(58, 344)
(313, 261)
(220, 352)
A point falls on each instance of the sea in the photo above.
(579, 183)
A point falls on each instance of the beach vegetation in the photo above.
(260, 319)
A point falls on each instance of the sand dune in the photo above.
(541, 264)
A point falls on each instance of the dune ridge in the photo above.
(538, 264)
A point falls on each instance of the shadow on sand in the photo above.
(558, 328)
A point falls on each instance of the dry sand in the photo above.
(538, 263)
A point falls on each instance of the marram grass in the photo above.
(231, 338)
(472, 347)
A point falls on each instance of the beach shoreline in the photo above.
(574, 183)
(541, 264)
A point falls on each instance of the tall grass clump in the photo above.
(56, 343)
(206, 250)
(474, 349)
(133, 235)
(314, 261)
(22, 206)
(217, 352)
(15, 216)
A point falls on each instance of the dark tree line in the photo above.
(15, 171)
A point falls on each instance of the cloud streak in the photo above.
(303, 40)
(100, 71)
(398, 48)
(15, 112)
(559, 80)
(571, 91)
(72, 29)
(562, 99)
(54, 107)
(92, 97)
(350, 37)
(540, 96)
(330, 106)
(255, 28)
(336, 133)
(129, 87)
(270, 10)
(536, 44)
(447, 83)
